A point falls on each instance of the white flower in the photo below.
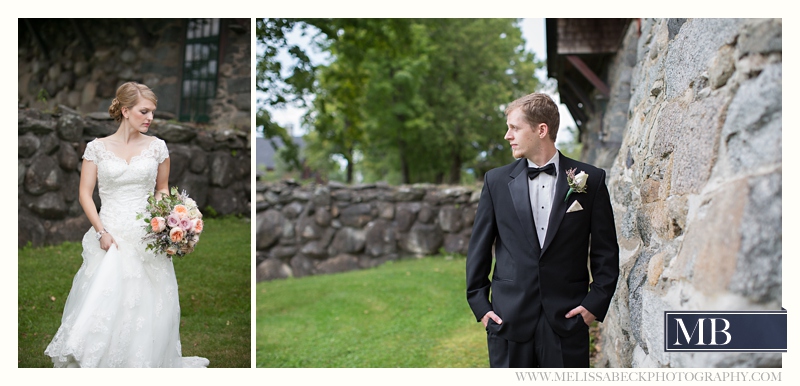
(580, 180)
(576, 182)
(190, 203)
(195, 213)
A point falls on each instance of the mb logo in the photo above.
(697, 336)
(729, 331)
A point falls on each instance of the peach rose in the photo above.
(172, 250)
(181, 210)
(197, 226)
(158, 224)
(176, 234)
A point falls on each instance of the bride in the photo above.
(122, 310)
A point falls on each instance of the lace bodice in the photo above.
(124, 187)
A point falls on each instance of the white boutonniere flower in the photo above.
(576, 182)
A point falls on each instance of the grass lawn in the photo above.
(410, 313)
(214, 287)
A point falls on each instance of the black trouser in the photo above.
(545, 349)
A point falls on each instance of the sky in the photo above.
(533, 31)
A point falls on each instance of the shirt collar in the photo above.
(553, 161)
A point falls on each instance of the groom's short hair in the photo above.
(538, 108)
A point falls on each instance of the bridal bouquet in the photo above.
(173, 225)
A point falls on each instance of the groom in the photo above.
(545, 215)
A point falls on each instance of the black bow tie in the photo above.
(549, 169)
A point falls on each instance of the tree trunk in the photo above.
(401, 148)
(349, 172)
(456, 162)
(348, 156)
(455, 169)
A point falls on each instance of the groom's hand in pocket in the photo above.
(587, 316)
(493, 316)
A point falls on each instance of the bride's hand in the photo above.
(106, 240)
(160, 194)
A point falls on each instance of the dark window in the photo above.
(200, 66)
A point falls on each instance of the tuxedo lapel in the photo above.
(518, 187)
(559, 207)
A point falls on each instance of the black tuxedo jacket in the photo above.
(531, 281)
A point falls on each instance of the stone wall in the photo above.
(696, 185)
(83, 73)
(213, 166)
(316, 229)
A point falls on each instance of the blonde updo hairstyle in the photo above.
(128, 96)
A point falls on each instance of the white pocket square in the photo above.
(576, 206)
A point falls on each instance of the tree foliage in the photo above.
(277, 90)
(403, 100)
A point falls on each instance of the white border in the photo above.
(349, 8)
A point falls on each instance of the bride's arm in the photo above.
(162, 179)
(85, 190)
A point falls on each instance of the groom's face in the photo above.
(524, 141)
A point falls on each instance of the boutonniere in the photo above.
(576, 182)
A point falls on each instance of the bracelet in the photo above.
(100, 234)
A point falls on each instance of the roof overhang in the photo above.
(579, 52)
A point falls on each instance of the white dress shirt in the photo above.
(542, 188)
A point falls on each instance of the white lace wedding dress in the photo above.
(122, 310)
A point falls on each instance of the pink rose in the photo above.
(185, 224)
(176, 234)
(197, 226)
(173, 220)
(158, 224)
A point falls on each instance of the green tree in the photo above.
(402, 100)
(397, 115)
(478, 66)
(337, 118)
(277, 90)
(435, 107)
(337, 89)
